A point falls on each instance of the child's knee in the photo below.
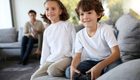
(54, 71)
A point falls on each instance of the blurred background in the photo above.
(13, 13)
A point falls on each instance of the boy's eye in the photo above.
(81, 14)
(47, 9)
(89, 12)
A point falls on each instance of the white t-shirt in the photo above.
(98, 46)
(58, 41)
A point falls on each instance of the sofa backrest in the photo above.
(8, 35)
(20, 34)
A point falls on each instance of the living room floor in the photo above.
(10, 70)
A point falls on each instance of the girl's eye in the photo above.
(47, 9)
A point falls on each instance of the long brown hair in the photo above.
(64, 15)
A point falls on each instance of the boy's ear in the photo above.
(100, 15)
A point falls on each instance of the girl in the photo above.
(57, 41)
(96, 42)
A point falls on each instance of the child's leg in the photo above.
(83, 67)
(58, 68)
(41, 71)
(86, 65)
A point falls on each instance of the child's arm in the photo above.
(45, 50)
(97, 69)
(74, 64)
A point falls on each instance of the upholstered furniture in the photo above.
(124, 71)
(10, 42)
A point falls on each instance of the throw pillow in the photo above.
(8, 35)
(128, 36)
(20, 34)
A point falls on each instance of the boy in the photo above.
(96, 46)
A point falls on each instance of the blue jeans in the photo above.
(26, 47)
(86, 65)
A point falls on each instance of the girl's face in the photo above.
(88, 18)
(53, 11)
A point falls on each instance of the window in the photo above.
(5, 14)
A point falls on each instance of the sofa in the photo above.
(10, 43)
(128, 26)
(127, 31)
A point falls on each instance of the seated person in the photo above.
(58, 41)
(32, 34)
(96, 47)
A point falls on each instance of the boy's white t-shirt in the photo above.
(58, 40)
(98, 46)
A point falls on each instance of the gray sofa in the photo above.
(127, 30)
(128, 38)
(10, 43)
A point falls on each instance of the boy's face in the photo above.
(88, 18)
(53, 11)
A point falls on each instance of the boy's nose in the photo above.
(85, 16)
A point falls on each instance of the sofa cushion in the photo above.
(124, 71)
(13, 45)
(20, 34)
(128, 36)
(8, 35)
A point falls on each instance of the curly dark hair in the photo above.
(87, 5)
(64, 15)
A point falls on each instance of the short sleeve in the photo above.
(78, 45)
(110, 37)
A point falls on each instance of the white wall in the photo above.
(5, 14)
(21, 8)
(131, 4)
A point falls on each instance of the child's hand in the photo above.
(73, 70)
(95, 72)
